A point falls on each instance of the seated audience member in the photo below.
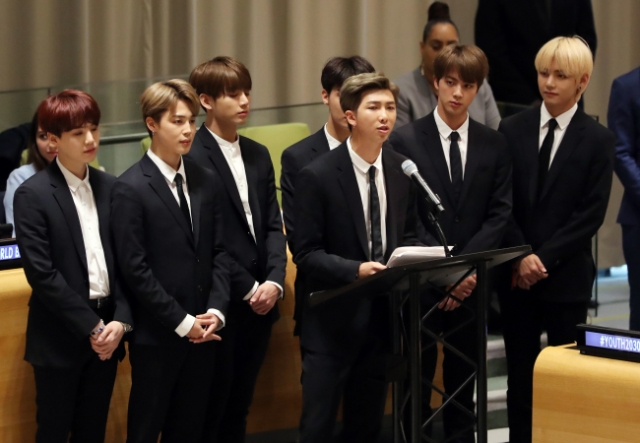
(77, 315)
(40, 154)
(13, 142)
(343, 202)
(253, 238)
(511, 33)
(467, 164)
(623, 119)
(418, 95)
(562, 172)
(167, 230)
(329, 137)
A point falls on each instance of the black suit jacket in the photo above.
(294, 158)
(573, 203)
(331, 243)
(55, 263)
(478, 221)
(168, 270)
(264, 258)
(512, 32)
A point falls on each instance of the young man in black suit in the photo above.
(166, 222)
(332, 135)
(467, 164)
(77, 314)
(563, 167)
(253, 238)
(353, 206)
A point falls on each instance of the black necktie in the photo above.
(184, 206)
(374, 215)
(455, 159)
(544, 157)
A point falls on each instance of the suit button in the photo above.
(456, 219)
(249, 233)
(197, 260)
(199, 288)
(254, 262)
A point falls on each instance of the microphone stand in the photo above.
(433, 219)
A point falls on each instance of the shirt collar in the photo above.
(72, 181)
(333, 142)
(563, 119)
(444, 129)
(167, 171)
(361, 164)
(225, 144)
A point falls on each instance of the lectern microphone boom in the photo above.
(411, 170)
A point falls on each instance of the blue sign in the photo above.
(9, 252)
(612, 342)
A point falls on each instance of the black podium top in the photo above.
(440, 271)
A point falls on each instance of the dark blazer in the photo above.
(573, 203)
(478, 221)
(294, 158)
(512, 32)
(55, 263)
(167, 269)
(623, 119)
(331, 243)
(264, 258)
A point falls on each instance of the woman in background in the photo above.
(39, 155)
(417, 96)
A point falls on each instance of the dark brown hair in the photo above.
(220, 76)
(338, 69)
(34, 157)
(438, 13)
(468, 60)
(354, 87)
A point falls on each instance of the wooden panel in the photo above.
(579, 398)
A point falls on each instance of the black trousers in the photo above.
(459, 328)
(355, 379)
(169, 392)
(630, 242)
(239, 357)
(524, 318)
(74, 400)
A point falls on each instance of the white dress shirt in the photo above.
(445, 138)
(85, 203)
(233, 155)
(333, 142)
(563, 121)
(169, 175)
(361, 169)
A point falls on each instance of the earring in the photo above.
(580, 87)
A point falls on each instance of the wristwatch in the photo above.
(126, 326)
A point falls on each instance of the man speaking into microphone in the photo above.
(467, 166)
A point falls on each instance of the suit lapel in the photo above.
(475, 151)
(161, 188)
(569, 143)
(63, 196)
(393, 177)
(347, 179)
(222, 167)
(320, 145)
(530, 152)
(194, 186)
(433, 146)
(251, 172)
(103, 202)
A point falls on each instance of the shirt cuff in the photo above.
(277, 286)
(251, 292)
(220, 315)
(185, 326)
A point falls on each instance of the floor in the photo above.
(612, 311)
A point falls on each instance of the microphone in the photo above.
(411, 170)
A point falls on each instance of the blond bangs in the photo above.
(571, 55)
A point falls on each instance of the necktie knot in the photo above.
(553, 124)
(372, 173)
(454, 136)
(178, 179)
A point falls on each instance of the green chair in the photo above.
(145, 143)
(277, 138)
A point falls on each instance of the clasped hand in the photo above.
(105, 342)
(462, 291)
(204, 328)
(529, 271)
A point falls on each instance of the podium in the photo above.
(404, 285)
